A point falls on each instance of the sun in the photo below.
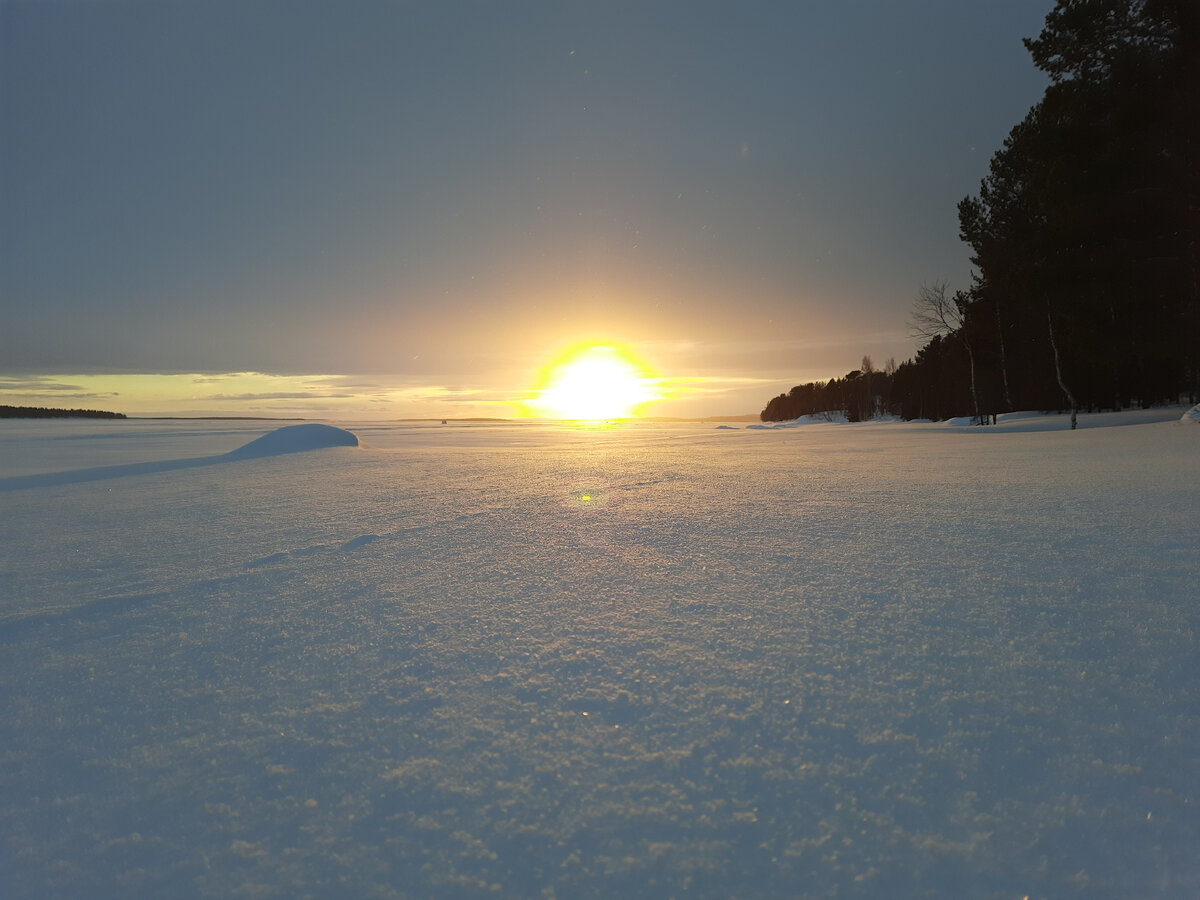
(594, 383)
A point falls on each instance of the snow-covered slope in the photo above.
(856, 661)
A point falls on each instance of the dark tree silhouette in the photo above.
(42, 412)
(1084, 235)
(936, 315)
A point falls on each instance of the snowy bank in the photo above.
(822, 418)
(1028, 420)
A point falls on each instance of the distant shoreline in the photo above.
(219, 418)
(44, 412)
(31, 412)
(469, 420)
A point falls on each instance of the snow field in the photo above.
(864, 661)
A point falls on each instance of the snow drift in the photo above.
(295, 439)
(288, 439)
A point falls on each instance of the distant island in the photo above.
(42, 412)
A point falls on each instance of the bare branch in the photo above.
(935, 314)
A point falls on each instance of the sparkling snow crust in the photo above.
(664, 661)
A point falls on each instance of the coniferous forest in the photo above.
(1084, 239)
(42, 412)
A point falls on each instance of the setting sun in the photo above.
(594, 383)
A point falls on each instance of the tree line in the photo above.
(42, 412)
(1084, 238)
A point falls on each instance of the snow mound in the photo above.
(832, 417)
(829, 417)
(1192, 415)
(295, 439)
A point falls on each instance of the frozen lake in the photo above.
(879, 660)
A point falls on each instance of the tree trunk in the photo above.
(974, 393)
(1058, 370)
(1008, 404)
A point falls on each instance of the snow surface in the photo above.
(532, 661)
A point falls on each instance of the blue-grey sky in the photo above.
(394, 208)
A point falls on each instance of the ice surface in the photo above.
(527, 661)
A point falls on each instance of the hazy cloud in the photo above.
(36, 384)
(282, 395)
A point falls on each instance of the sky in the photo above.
(379, 210)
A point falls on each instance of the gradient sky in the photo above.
(391, 209)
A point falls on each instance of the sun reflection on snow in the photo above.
(587, 497)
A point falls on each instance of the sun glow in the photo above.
(594, 383)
